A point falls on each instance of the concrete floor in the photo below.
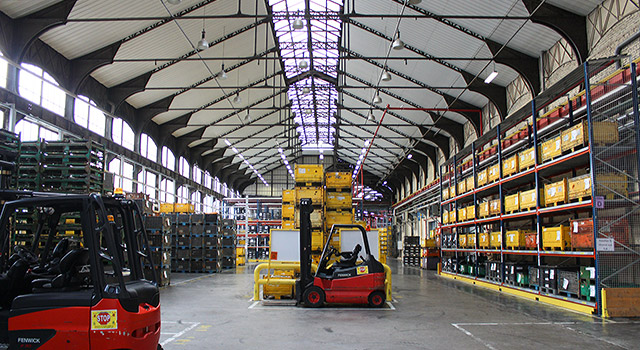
(429, 312)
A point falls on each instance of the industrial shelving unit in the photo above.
(523, 205)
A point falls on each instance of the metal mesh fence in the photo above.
(613, 127)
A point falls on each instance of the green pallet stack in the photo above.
(160, 241)
(9, 150)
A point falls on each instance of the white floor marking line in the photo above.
(254, 304)
(179, 334)
(391, 305)
(473, 337)
(512, 323)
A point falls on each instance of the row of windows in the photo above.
(40, 87)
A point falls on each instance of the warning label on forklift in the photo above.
(104, 319)
(363, 270)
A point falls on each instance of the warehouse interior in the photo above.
(388, 173)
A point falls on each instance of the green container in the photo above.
(522, 278)
(587, 289)
(482, 271)
(587, 273)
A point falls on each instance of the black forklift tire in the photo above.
(377, 298)
(313, 296)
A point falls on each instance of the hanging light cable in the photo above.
(203, 44)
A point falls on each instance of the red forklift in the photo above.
(352, 279)
(76, 273)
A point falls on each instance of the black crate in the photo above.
(569, 281)
(183, 253)
(197, 265)
(210, 229)
(184, 218)
(549, 279)
(228, 241)
(196, 253)
(211, 218)
(511, 271)
(197, 218)
(155, 222)
(228, 251)
(211, 241)
(228, 223)
(197, 229)
(155, 240)
(412, 240)
(494, 271)
(181, 265)
(212, 265)
(183, 229)
(228, 262)
(208, 253)
(228, 231)
(534, 276)
(197, 241)
(183, 241)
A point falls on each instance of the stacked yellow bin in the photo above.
(338, 201)
(310, 184)
(288, 209)
(383, 236)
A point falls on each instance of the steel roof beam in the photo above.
(527, 66)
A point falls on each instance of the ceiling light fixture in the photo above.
(397, 44)
(377, 99)
(237, 98)
(371, 117)
(303, 65)
(410, 156)
(306, 90)
(222, 75)
(386, 76)
(297, 24)
(203, 44)
(492, 75)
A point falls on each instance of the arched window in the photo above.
(121, 133)
(216, 184)
(197, 174)
(168, 159)
(196, 199)
(183, 194)
(207, 204)
(4, 67)
(147, 183)
(183, 167)
(123, 174)
(148, 147)
(38, 86)
(208, 180)
(167, 190)
(33, 132)
(88, 115)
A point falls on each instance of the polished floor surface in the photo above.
(428, 312)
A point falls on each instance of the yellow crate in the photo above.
(483, 240)
(167, 207)
(495, 240)
(462, 214)
(445, 217)
(429, 243)
(288, 210)
(551, 148)
(289, 196)
(462, 241)
(316, 194)
(556, 237)
(493, 173)
(462, 187)
(613, 182)
(483, 209)
(471, 240)
(510, 166)
(316, 219)
(578, 135)
(337, 217)
(338, 200)
(471, 212)
(579, 187)
(482, 177)
(240, 260)
(469, 182)
(184, 208)
(288, 224)
(526, 159)
(555, 193)
(453, 218)
(445, 193)
(528, 200)
(317, 240)
(494, 207)
(338, 179)
(512, 203)
(277, 291)
(239, 251)
(515, 239)
(309, 173)
(452, 191)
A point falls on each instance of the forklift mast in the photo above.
(306, 208)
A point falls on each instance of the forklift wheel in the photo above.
(314, 296)
(376, 299)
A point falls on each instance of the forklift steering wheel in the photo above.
(25, 254)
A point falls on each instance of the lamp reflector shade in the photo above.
(491, 76)
(298, 24)
(203, 44)
(306, 90)
(377, 99)
(386, 76)
(237, 99)
(371, 117)
(303, 65)
(397, 44)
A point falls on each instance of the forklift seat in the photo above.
(12, 282)
(348, 259)
(68, 263)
